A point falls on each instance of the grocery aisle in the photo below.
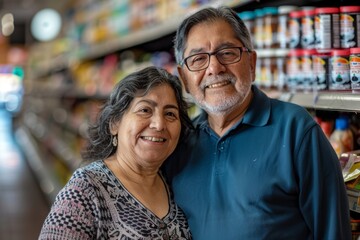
(22, 205)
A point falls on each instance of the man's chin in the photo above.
(217, 109)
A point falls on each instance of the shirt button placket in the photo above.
(221, 146)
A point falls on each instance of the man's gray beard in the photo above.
(227, 105)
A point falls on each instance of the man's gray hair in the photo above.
(210, 14)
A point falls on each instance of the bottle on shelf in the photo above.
(342, 138)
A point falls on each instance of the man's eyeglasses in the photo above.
(225, 56)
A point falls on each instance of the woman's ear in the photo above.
(113, 128)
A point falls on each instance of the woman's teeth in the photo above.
(154, 139)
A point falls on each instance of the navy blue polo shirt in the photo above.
(273, 175)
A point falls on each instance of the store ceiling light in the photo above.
(7, 24)
(46, 24)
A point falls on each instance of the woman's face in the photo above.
(149, 130)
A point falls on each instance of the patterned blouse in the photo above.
(95, 205)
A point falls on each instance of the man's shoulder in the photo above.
(288, 108)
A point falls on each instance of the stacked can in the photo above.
(295, 29)
(270, 27)
(340, 70)
(307, 69)
(355, 68)
(249, 20)
(259, 28)
(283, 25)
(308, 28)
(327, 28)
(293, 69)
(321, 70)
(321, 47)
(350, 26)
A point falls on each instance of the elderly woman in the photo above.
(122, 194)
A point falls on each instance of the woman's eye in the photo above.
(172, 115)
(144, 110)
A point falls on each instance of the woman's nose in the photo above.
(157, 123)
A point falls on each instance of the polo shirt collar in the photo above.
(257, 114)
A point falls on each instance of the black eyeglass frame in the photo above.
(209, 54)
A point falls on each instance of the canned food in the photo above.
(327, 28)
(307, 69)
(350, 26)
(293, 69)
(295, 29)
(321, 70)
(340, 69)
(355, 68)
(308, 29)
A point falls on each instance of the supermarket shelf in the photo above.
(142, 36)
(43, 134)
(133, 39)
(353, 195)
(334, 101)
(56, 64)
(115, 44)
(66, 93)
(47, 181)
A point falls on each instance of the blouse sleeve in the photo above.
(72, 216)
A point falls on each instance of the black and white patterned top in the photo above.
(95, 205)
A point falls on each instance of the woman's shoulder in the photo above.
(88, 175)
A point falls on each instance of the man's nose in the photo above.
(215, 67)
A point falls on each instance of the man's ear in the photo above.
(182, 78)
(253, 65)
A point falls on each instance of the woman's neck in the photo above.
(146, 186)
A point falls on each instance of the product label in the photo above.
(355, 71)
(321, 72)
(348, 30)
(294, 77)
(266, 75)
(270, 34)
(340, 73)
(327, 31)
(258, 31)
(258, 71)
(282, 32)
(294, 33)
(307, 32)
(307, 71)
(279, 74)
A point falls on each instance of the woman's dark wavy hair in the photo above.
(99, 145)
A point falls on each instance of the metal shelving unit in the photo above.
(329, 100)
